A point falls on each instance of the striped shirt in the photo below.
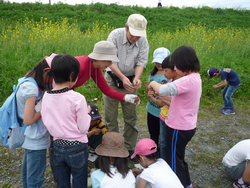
(130, 55)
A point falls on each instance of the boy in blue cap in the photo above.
(231, 80)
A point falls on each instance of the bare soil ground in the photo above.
(216, 134)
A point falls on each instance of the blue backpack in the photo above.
(8, 113)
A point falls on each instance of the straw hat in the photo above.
(104, 50)
(112, 145)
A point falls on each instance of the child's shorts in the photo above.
(236, 172)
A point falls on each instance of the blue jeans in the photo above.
(34, 165)
(71, 159)
(227, 93)
(95, 140)
(163, 139)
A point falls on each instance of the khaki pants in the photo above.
(129, 115)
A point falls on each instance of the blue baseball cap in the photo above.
(211, 72)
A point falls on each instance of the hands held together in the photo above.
(131, 87)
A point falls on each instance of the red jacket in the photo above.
(87, 70)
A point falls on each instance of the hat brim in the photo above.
(209, 75)
(133, 156)
(138, 33)
(157, 60)
(115, 152)
(103, 57)
(96, 117)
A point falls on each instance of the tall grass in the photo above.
(29, 42)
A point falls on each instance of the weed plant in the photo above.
(30, 41)
(162, 18)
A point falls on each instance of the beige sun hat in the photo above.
(137, 25)
(104, 50)
(112, 145)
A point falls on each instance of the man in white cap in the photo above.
(124, 76)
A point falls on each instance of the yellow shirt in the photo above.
(98, 125)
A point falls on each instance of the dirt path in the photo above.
(213, 138)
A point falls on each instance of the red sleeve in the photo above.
(100, 81)
(87, 69)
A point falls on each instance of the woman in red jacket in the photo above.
(91, 66)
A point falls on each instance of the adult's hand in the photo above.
(127, 84)
(131, 98)
(137, 84)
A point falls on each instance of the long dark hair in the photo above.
(103, 162)
(154, 71)
(185, 59)
(152, 156)
(38, 70)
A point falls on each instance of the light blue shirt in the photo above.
(153, 108)
(34, 139)
(96, 178)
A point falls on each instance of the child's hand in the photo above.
(150, 93)
(215, 87)
(96, 131)
(89, 109)
(136, 171)
(149, 85)
(107, 131)
(146, 85)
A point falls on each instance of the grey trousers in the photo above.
(236, 172)
(129, 115)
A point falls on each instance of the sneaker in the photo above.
(91, 150)
(238, 185)
(223, 108)
(229, 112)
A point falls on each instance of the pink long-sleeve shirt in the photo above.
(66, 115)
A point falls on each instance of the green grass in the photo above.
(31, 41)
(221, 38)
(165, 19)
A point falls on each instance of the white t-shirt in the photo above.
(160, 175)
(101, 180)
(238, 153)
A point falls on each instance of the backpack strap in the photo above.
(25, 79)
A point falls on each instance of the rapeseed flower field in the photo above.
(29, 42)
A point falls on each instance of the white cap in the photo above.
(137, 25)
(160, 54)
